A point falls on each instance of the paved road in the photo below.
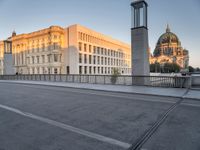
(37, 117)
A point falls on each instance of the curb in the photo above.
(40, 84)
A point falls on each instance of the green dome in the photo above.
(168, 37)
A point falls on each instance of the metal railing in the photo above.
(154, 81)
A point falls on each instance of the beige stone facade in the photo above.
(71, 50)
(1, 57)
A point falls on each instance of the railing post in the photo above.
(73, 78)
(95, 79)
(132, 79)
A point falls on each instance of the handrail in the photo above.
(154, 81)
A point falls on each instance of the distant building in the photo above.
(6, 57)
(169, 50)
(71, 50)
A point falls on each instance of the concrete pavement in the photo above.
(38, 117)
(169, 92)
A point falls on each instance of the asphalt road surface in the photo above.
(36, 117)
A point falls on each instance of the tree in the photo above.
(171, 67)
(198, 69)
(191, 69)
(155, 67)
(114, 76)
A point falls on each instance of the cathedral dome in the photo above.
(168, 37)
(169, 50)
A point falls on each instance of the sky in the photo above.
(110, 17)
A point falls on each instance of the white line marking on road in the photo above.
(68, 127)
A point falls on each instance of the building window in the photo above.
(80, 46)
(94, 49)
(90, 48)
(94, 60)
(90, 70)
(55, 57)
(101, 51)
(80, 69)
(55, 46)
(68, 70)
(38, 59)
(102, 61)
(43, 47)
(83, 37)
(98, 50)
(105, 51)
(43, 59)
(85, 47)
(85, 68)
(49, 70)
(55, 37)
(111, 52)
(33, 60)
(98, 60)
(94, 70)
(80, 58)
(55, 71)
(49, 58)
(90, 59)
(85, 58)
(108, 52)
(28, 60)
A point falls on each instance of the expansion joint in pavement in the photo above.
(140, 142)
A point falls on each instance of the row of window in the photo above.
(44, 40)
(42, 59)
(101, 51)
(20, 60)
(97, 60)
(92, 39)
(40, 48)
(100, 70)
(44, 70)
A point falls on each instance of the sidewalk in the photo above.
(171, 92)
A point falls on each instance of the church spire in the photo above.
(14, 33)
(168, 28)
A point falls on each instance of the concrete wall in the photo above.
(196, 80)
(8, 65)
(140, 55)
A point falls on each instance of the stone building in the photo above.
(169, 50)
(6, 57)
(72, 50)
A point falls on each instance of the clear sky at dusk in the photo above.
(111, 17)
